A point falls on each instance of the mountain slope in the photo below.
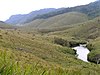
(92, 10)
(4, 25)
(57, 21)
(88, 31)
(22, 53)
(21, 19)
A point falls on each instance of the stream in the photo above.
(82, 52)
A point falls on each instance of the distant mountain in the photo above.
(21, 19)
(92, 10)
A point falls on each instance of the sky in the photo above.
(12, 7)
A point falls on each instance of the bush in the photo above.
(64, 42)
(61, 41)
(1, 36)
(73, 43)
(90, 47)
(94, 56)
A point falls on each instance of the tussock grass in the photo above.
(23, 53)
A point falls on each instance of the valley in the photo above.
(42, 44)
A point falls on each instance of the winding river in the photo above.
(82, 52)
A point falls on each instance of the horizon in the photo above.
(14, 7)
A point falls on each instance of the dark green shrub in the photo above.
(64, 42)
(73, 43)
(61, 41)
(94, 56)
(1, 36)
(90, 47)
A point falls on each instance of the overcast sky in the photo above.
(12, 7)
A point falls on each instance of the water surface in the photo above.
(82, 52)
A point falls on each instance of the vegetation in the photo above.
(71, 43)
(57, 22)
(22, 55)
(44, 46)
(95, 51)
(88, 31)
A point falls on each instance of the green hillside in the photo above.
(4, 25)
(88, 31)
(58, 21)
(45, 45)
(28, 54)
